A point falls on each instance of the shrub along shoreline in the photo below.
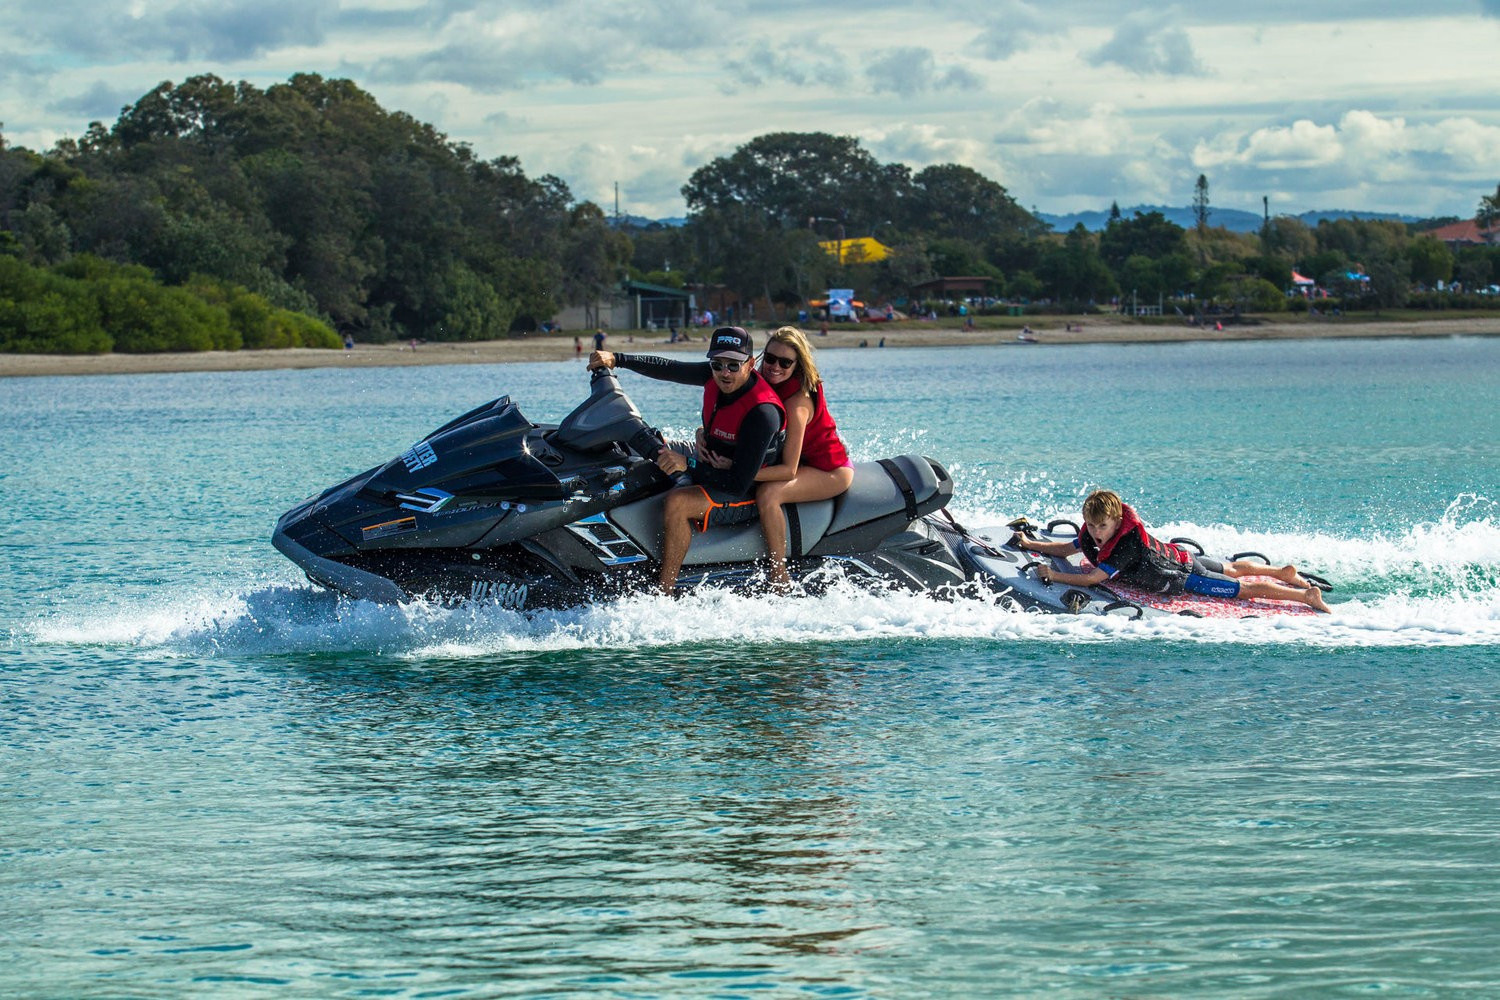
(88, 305)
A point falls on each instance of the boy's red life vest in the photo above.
(822, 447)
(1161, 565)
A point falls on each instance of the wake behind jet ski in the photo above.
(493, 507)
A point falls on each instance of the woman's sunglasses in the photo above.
(777, 360)
(724, 366)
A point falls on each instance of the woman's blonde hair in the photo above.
(807, 369)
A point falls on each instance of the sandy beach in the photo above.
(560, 348)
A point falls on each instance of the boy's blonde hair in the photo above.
(1102, 504)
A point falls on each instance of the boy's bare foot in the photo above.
(1313, 598)
(1288, 575)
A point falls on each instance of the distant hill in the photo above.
(628, 221)
(1233, 219)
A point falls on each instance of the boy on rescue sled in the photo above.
(1116, 541)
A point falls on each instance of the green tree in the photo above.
(959, 257)
(1075, 273)
(790, 179)
(44, 238)
(1488, 212)
(1151, 235)
(1288, 237)
(595, 255)
(1200, 216)
(1430, 260)
(908, 265)
(1025, 286)
(1252, 294)
(44, 312)
(1390, 279)
(1140, 277)
(953, 201)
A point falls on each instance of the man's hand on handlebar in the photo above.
(671, 462)
(601, 359)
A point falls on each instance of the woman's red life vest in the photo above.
(721, 421)
(822, 448)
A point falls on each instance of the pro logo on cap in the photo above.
(731, 342)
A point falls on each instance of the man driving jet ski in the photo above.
(743, 420)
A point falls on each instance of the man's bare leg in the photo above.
(681, 508)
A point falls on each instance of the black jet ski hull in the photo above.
(493, 508)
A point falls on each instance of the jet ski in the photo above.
(492, 507)
(990, 556)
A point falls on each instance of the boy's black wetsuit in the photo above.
(1141, 559)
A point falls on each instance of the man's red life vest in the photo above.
(821, 446)
(721, 421)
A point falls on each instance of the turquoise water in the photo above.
(219, 781)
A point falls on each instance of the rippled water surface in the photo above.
(220, 781)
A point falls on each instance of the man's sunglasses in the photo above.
(777, 360)
(724, 366)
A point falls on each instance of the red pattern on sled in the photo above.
(1211, 607)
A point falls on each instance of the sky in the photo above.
(1070, 104)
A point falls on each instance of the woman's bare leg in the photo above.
(806, 485)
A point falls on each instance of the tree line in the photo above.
(758, 215)
(307, 198)
(224, 215)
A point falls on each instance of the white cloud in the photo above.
(1047, 128)
(922, 145)
(765, 63)
(185, 30)
(1066, 103)
(1302, 144)
(1151, 42)
(911, 70)
(1012, 26)
(1365, 141)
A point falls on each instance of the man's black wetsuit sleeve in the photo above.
(682, 372)
(754, 437)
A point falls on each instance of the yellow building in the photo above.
(859, 250)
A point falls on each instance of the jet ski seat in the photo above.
(875, 493)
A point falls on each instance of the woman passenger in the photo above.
(814, 463)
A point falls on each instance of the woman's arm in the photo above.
(798, 412)
(754, 437)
